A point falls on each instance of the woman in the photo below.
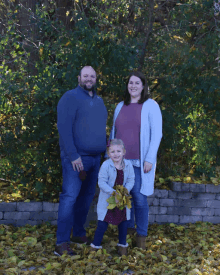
(138, 122)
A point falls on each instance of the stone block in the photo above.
(176, 186)
(182, 210)
(203, 196)
(213, 219)
(12, 222)
(213, 204)
(211, 188)
(166, 202)
(53, 222)
(217, 212)
(95, 208)
(185, 187)
(172, 194)
(184, 195)
(161, 193)
(153, 201)
(91, 217)
(167, 218)
(191, 203)
(217, 197)
(1, 215)
(151, 218)
(44, 216)
(22, 222)
(36, 222)
(152, 196)
(157, 210)
(197, 188)
(49, 206)
(16, 215)
(203, 211)
(8, 206)
(29, 206)
(190, 219)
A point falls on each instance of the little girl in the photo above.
(113, 171)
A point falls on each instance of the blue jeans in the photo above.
(76, 197)
(102, 227)
(140, 208)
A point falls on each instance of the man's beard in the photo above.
(88, 89)
(84, 86)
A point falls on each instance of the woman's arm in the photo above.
(155, 120)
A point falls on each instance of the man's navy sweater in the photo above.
(81, 123)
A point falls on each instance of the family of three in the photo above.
(132, 153)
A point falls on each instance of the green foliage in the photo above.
(28, 100)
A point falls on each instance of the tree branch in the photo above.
(151, 21)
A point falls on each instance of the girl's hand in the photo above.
(147, 167)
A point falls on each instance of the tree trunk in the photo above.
(28, 29)
(149, 30)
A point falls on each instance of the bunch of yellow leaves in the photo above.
(120, 198)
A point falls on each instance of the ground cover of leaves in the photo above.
(192, 249)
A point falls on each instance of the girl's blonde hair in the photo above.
(115, 141)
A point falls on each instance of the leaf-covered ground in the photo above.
(191, 249)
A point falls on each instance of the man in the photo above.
(81, 122)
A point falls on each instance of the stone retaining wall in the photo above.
(184, 203)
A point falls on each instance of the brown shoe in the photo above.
(140, 241)
(131, 231)
(81, 240)
(122, 249)
(59, 250)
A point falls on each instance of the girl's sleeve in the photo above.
(103, 179)
(155, 120)
(130, 179)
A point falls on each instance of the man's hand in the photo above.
(147, 167)
(78, 165)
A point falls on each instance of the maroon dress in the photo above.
(116, 216)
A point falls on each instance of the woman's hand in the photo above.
(147, 167)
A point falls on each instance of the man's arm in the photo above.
(66, 113)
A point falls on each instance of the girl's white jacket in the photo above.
(150, 137)
(106, 181)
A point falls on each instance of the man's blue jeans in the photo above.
(76, 197)
(140, 208)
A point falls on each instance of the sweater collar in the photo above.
(112, 163)
(87, 92)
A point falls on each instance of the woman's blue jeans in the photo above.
(140, 208)
(76, 197)
(102, 227)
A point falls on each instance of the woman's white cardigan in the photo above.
(150, 137)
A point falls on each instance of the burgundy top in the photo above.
(116, 216)
(128, 125)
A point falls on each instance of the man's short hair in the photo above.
(85, 67)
